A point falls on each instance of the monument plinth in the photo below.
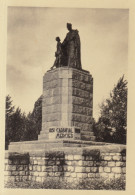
(67, 104)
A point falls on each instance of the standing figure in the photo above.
(58, 54)
(71, 48)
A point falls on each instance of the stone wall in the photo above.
(68, 163)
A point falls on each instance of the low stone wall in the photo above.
(67, 163)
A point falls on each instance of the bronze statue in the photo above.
(71, 48)
(58, 54)
(68, 52)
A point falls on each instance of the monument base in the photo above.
(44, 145)
(72, 164)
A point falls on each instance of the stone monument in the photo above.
(66, 148)
(67, 104)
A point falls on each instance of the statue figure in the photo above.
(71, 48)
(58, 54)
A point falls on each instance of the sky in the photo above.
(31, 46)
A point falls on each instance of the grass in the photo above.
(88, 184)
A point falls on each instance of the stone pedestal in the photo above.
(67, 108)
(67, 103)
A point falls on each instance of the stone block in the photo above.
(79, 175)
(25, 178)
(91, 175)
(60, 168)
(31, 173)
(38, 168)
(101, 169)
(20, 167)
(72, 174)
(74, 163)
(57, 174)
(107, 158)
(78, 169)
(26, 172)
(36, 174)
(123, 169)
(111, 175)
(90, 163)
(80, 101)
(77, 157)
(30, 167)
(94, 169)
(116, 169)
(88, 169)
(120, 164)
(117, 158)
(26, 167)
(35, 168)
(104, 163)
(57, 162)
(111, 164)
(67, 174)
(49, 168)
(69, 162)
(124, 158)
(35, 162)
(84, 175)
(51, 174)
(70, 168)
(55, 168)
(65, 168)
(70, 157)
(43, 168)
(39, 179)
(11, 167)
(31, 161)
(117, 176)
(22, 173)
(80, 162)
(85, 163)
(104, 175)
(107, 169)
(51, 162)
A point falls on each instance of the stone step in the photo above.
(39, 146)
(87, 133)
(27, 146)
(88, 138)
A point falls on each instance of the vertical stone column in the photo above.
(65, 75)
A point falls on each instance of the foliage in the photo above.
(87, 184)
(8, 117)
(112, 124)
(20, 127)
(33, 122)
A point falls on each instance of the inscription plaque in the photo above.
(71, 133)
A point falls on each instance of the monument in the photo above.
(67, 104)
(66, 148)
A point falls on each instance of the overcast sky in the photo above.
(31, 46)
